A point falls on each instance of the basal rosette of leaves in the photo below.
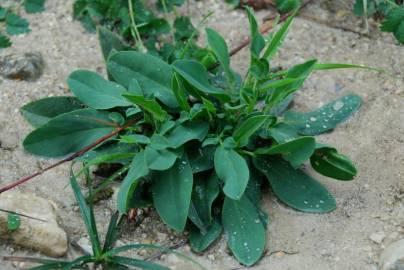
(391, 11)
(11, 23)
(204, 139)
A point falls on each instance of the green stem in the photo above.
(188, 44)
(134, 30)
(166, 18)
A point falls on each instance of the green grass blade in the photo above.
(118, 250)
(328, 66)
(278, 38)
(78, 262)
(110, 238)
(138, 263)
(87, 215)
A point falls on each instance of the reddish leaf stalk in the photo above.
(69, 158)
(234, 51)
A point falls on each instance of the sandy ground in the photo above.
(373, 203)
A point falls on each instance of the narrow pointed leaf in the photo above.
(180, 93)
(149, 105)
(196, 75)
(87, 215)
(138, 169)
(140, 264)
(295, 188)
(278, 38)
(247, 128)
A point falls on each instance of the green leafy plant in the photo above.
(11, 23)
(197, 142)
(391, 11)
(106, 255)
(131, 25)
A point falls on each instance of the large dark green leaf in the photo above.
(325, 118)
(247, 128)
(295, 151)
(204, 193)
(199, 242)
(244, 229)
(96, 92)
(68, 133)
(196, 75)
(138, 169)
(172, 191)
(327, 161)
(186, 132)
(294, 187)
(233, 170)
(153, 74)
(39, 112)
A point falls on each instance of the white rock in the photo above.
(392, 258)
(46, 237)
(377, 237)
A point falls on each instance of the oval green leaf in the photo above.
(153, 74)
(325, 118)
(296, 151)
(172, 191)
(328, 162)
(233, 170)
(39, 112)
(244, 229)
(68, 133)
(294, 187)
(96, 92)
